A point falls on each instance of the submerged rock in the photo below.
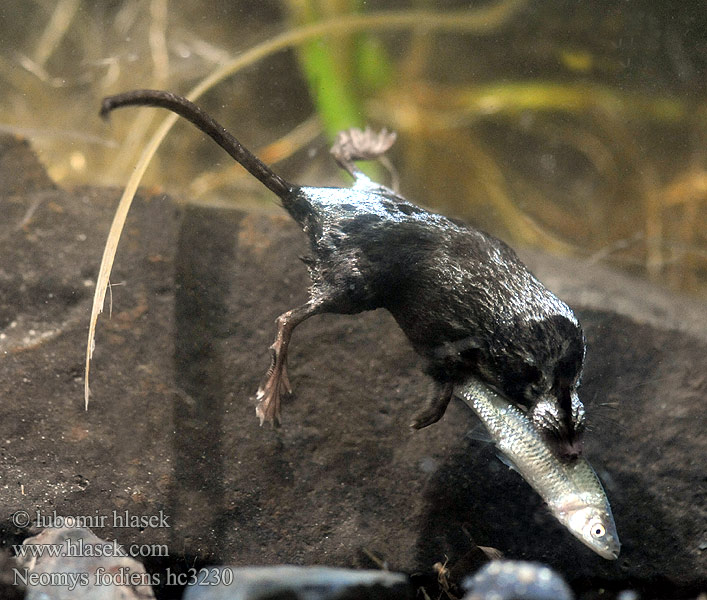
(72, 563)
(298, 583)
(516, 580)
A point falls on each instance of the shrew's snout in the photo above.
(563, 429)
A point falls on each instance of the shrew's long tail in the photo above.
(191, 112)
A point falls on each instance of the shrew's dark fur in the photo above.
(463, 298)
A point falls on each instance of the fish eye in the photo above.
(597, 530)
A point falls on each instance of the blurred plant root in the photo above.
(585, 179)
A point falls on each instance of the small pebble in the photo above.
(516, 580)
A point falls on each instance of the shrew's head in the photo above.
(540, 365)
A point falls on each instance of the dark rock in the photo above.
(344, 482)
(10, 589)
(20, 170)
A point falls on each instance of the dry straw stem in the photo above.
(479, 20)
(157, 36)
(55, 31)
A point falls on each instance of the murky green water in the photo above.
(578, 127)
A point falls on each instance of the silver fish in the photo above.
(571, 489)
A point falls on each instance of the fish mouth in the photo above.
(608, 553)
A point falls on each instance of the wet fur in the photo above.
(463, 298)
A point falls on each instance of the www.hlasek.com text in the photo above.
(81, 548)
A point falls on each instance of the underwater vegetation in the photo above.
(580, 130)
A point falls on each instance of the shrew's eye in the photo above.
(597, 530)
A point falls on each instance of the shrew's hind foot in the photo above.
(435, 406)
(356, 144)
(270, 394)
(277, 383)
